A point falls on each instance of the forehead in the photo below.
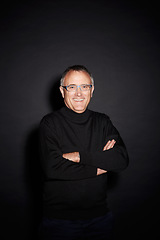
(77, 77)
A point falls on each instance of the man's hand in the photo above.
(73, 156)
(109, 145)
(100, 171)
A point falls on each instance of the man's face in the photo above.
(78, 100)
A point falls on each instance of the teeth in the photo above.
(78, 100)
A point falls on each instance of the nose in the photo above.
(78, 91)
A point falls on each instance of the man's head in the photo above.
(77, 87)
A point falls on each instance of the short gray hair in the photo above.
(77, 68)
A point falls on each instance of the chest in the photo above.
(88, 136)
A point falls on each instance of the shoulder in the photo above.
(50, 118)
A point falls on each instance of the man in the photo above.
(78, 147)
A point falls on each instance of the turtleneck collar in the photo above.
(75, 117)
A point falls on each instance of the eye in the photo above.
(85, 87)
(71, 87)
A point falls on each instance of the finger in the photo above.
(109, 145)
(106, 146)
(112, 143)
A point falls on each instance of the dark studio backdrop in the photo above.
(118, 41)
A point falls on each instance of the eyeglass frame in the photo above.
(78, 86)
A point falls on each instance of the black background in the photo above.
(118, 41)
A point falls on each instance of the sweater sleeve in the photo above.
(115, 159)
(53, 164)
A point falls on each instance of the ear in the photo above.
(62, 91)
(92, 90)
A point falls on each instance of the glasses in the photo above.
(73, 87)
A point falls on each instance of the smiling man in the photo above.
(80, 87)
(78, 148)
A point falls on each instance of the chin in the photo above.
(79, 110)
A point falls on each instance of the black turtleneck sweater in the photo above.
(73, 190)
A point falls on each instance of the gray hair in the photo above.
(75, 68)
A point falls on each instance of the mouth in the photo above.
(78, 100)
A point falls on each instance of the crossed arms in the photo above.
(79, 165)
(75, 156)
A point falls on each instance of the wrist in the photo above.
(78, 157)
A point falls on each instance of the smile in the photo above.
(78, 100)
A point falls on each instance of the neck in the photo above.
(74, 116)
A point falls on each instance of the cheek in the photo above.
(88, 97)
(68, 97)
